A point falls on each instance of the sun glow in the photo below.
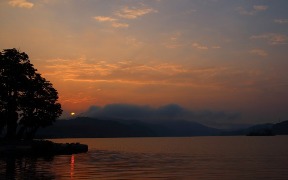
(72, 114)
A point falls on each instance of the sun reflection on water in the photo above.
(72, 165)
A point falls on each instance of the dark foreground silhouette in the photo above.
(24, 167)
(27, 102)
(39, 148)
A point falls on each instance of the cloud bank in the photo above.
(167, 112)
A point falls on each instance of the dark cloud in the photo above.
(167, 112)
(125, 111)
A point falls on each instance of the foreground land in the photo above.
(40, 148)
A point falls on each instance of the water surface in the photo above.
(161, 158)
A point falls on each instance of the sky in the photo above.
(218, 56)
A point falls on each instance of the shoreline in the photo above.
(40, 148)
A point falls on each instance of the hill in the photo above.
(83, 127)
(281, 128)
(262, 130)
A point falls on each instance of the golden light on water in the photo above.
(72, 164)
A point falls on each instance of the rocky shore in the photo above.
(40, 148)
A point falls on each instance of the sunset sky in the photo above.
(204, 55)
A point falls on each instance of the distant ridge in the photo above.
(262, 129)
(84, 127)
(281, 128)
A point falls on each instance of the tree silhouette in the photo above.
(27, 100)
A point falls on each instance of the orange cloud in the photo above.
(104, 19)
(127, 13)
(79, 82)
(80, 70)
(21, 3)
(120, 25)
(112, 21)
(160, 74)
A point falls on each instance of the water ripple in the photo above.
(240, 159)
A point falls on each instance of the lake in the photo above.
(235, 157)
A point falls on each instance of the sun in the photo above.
(72, 113)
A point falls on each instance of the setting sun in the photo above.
(72, 114)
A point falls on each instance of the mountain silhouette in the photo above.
(281, 128)
(84, 127)
(266, 129)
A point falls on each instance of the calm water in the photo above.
(161, 158)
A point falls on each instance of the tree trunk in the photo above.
(12, 125)
(12, 118)
(33, 132)
(20, 132)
